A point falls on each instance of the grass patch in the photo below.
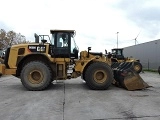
(150, 70)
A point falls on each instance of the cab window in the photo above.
(62, 40)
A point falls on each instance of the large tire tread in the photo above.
(89, 76)
(36, 64)
(140, 65)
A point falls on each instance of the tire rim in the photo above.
(137, 67)
(100, 76)
(35, 77)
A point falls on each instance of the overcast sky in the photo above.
(96, 21)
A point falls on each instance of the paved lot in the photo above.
(72, 100)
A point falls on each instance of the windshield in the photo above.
(73, 45)
(117, 52)
(52, 39)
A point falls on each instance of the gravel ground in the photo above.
(73, 100)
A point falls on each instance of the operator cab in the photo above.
(63, 44)
(118, 53)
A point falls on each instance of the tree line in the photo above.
(8, 38)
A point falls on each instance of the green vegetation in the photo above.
(151, 70)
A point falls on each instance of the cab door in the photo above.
(61, 47)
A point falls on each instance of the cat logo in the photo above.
(37, 48)
(41, 48)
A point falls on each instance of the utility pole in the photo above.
(117, 39)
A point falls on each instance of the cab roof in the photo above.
(54, 31)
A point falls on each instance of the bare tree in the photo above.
(19, 39)
(3, 39)
(11, 35)
(10, 38)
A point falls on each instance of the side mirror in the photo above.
(89, 48)
(44, 41)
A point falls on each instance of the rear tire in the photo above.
(36, 75)
(137, 67)
(99, 76)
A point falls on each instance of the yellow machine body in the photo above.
(38, 64)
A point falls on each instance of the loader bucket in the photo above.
(114, 65)
(128, 78)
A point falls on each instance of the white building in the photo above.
(148, 53)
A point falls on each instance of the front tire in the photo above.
(36, 75)
(99, 76)
(137, 67)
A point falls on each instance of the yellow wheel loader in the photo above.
(38, 64)
(117, 56)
